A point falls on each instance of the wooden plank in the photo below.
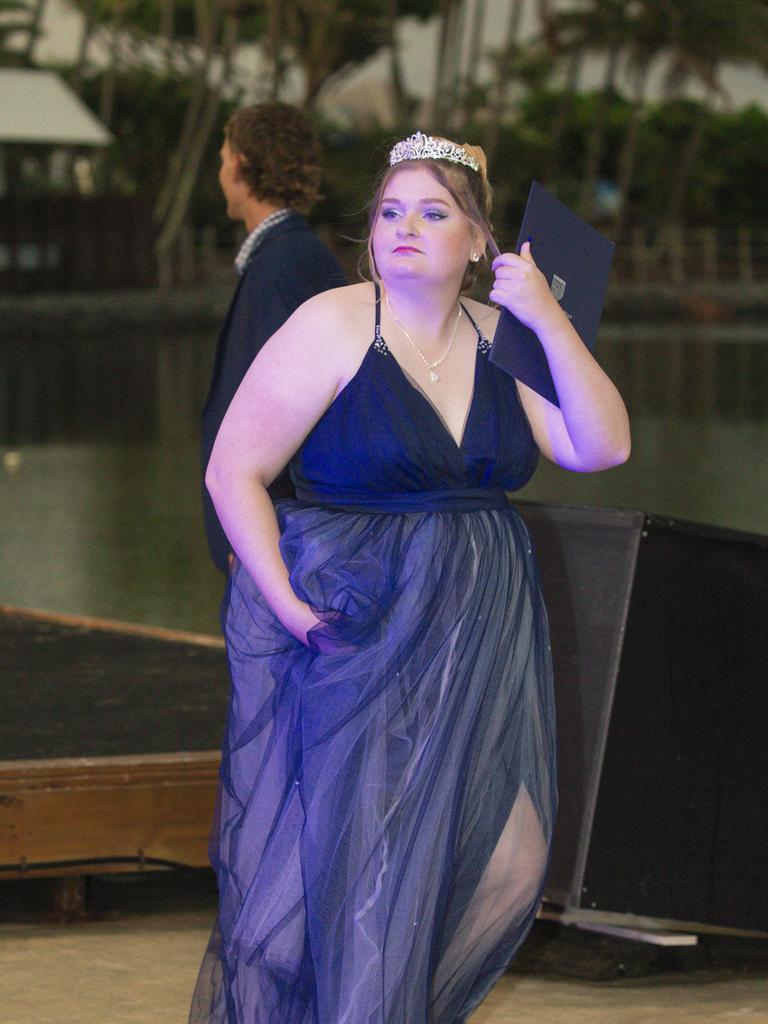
(123, 765)
(135, 808)
(114, 626)
(69, 815)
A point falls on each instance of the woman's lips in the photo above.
(406, 248)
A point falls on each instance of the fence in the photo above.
(683, 256)
(68, 243)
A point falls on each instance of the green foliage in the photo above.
(735, 159)
(351, 164)
(328, 36)
(729, 183)
(416, 8)
(729, 175)
(149, 108)
(144, 17)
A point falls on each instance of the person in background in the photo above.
(270, 175)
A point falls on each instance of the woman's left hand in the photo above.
(521, 288)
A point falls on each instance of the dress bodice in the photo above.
(382, 444)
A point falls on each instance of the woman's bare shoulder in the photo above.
(338, 305)
(329, 332)
(486, 317)
(339, 322)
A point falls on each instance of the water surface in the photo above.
(99, 500)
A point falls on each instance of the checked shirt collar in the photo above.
(256, 237)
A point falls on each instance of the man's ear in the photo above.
(237, 165)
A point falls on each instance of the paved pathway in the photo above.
(141, 970)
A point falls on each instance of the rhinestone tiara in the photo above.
(425, 147)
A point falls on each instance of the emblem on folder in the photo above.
(557, 287)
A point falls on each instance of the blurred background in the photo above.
(649, 117)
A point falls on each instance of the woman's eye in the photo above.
(434, 215)
(389, 214)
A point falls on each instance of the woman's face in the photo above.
(420, 232)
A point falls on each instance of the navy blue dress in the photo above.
(387, 792)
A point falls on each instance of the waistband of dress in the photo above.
(478, 499)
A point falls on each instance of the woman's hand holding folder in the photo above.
(522, 289)
(590, 429)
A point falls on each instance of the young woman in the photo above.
(387, 788)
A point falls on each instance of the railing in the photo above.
(196, 258)
(680, 256)
(67, 243)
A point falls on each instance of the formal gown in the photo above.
(387, 791)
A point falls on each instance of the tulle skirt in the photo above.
(387, 794)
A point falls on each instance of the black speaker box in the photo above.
(660, 647)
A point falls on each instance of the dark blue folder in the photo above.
(576, 261)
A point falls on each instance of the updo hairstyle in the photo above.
(471, 191)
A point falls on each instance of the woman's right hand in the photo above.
(299, 619)
(521, 288)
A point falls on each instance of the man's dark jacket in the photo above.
(290, 266)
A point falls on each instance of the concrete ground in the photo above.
(140, 967)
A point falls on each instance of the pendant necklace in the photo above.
(433, 376)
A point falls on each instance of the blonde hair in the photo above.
(470, 190)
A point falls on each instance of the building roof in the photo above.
(38, 106)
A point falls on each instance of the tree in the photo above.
(78, 72)
(575, 61)
(216, 35)
(197, 40)
(505, 58)
(606, 26)
(447, 62)
(117, 11)
(274, 46)
(399, 97)
(647, 39)
(323, 37)
(525, 64)
(470, 83)
(394, 10)
(327, 37)
(702, 36)
(35, 22)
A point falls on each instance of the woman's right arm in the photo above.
(288, 387)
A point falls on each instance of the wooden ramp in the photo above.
(109, 744)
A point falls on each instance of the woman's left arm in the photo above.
(590, 430)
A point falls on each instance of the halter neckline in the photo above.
(380, 344)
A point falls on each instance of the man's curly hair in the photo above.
(280, 151)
